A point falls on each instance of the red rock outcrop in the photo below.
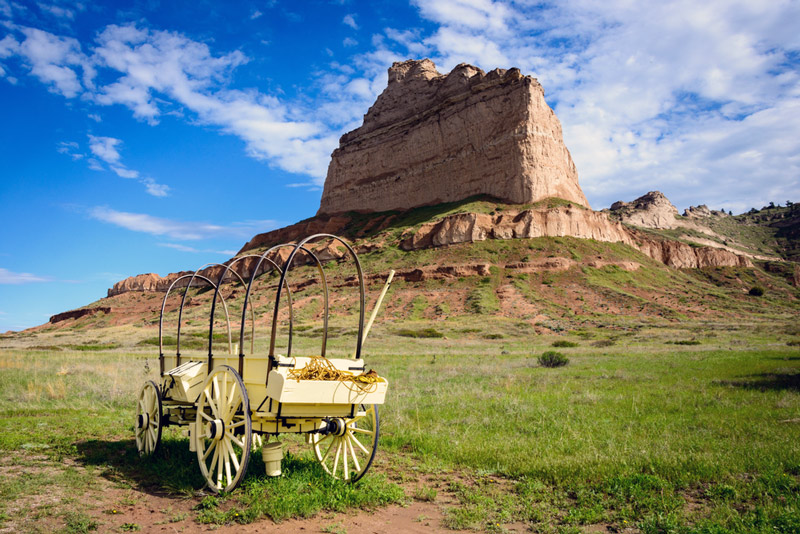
(561, 222)
(145, 282)
(75, 314)
(513, 224)
(432, 138)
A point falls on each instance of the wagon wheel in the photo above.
(347, 452)
(148, 419)
(224, 441)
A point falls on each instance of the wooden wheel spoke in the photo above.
(327, 452)
(237, 425)
(336, 458)
(228, 450)
(360, 445)
(211, 404)
(363, 431)
(346, 471)
(353, 453)
(208, 451)
(234, 459)
(233, 399)
(205, 416)
(234, 439)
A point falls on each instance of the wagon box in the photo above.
(290, 390)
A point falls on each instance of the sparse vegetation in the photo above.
(552, 358)
(563, 343)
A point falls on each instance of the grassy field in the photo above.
(650, 427)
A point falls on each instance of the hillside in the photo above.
(492, 287)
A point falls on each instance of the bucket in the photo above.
(272, 455)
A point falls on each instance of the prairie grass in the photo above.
(643, 433)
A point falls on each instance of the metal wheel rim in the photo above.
(350, 455)
(148, 407)
(224, 404)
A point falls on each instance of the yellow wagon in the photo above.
(232, 403)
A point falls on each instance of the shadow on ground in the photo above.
(789, 380)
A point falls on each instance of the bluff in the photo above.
(432, 138)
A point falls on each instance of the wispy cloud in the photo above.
(152, 72)
(12, 278)
(181, 230)
(701, 102)
(184, 248)
(350, 20)
(105, 149)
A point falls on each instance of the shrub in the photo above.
(756, 291)
(564, 343)
(425, 332)
(552, 358)
(685, 342)
(493, 336)
(603, 343)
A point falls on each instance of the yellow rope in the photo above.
(319, 368)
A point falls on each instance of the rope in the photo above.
(319, 368)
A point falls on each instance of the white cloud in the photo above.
(57, 11)
(184, 248)
(52, 59)
(256, 14)
(350, 20)
(145, 70)
(181, 230)
(349, 41)
(699, 101)
(12, 278)
(105, 148)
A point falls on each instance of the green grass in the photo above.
(647, 432)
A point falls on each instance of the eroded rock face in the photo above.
(513, 224)
(432, 138)
(653, 210)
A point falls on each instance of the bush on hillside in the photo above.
(564, 343)
(756, 291)
(552, 358)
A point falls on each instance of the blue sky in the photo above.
(158, 136)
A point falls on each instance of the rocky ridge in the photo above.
(432, 138)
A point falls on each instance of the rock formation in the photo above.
(77, 314)
(653, 210)
(432, 138)
(701, 212)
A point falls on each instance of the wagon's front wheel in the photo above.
(224, 440)
(148, 419)
(348, 450)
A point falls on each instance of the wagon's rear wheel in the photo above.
(148, 419)
(224, 440)
(347, 452)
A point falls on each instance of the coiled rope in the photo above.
(319, 368)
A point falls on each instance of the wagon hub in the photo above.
(215, 429)
(336, 426)
(142, 420)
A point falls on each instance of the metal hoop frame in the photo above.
(300, 246)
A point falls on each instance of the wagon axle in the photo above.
(336, 426)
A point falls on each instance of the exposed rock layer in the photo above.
(431, 138)
(75, 314)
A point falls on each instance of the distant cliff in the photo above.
(432, 138)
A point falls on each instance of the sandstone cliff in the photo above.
(432, 138)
